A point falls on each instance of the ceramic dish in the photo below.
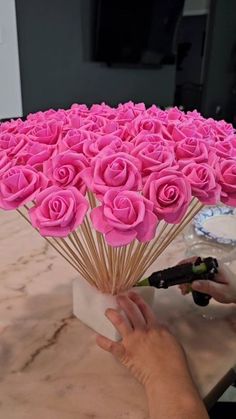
(218, 224)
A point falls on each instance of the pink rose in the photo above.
(41, 116)
(175, 114)
(145, 124)
(227, 179)
(225, 148)
(64, 170)
(170, 192)
(154, 157)
(34, 154)
(221, 129)
(123, 217)
(93, 146)
(74, 140)
(191, 149)
(11, 126)
(126, 112)
(116, 145)
(117, 171)
(5, 163)
(194, 115)
(156, 139)
(105, 144)
(103, 110)
(203, 183)
(58, 211)
(11, 143)
(20, 185)
(158, 113)
(47, 132)
(184, 130)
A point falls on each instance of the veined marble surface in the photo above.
(50, 366)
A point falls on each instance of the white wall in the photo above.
(10, 88)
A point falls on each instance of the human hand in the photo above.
(223, 289)
(155, 358)
(147, 348)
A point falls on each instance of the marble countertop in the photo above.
(50, 367)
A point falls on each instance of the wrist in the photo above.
(167, 380)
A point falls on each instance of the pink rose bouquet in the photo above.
(103, 178)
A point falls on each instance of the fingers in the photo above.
(185, 288)
(132, 311)
(224, 275)
(192, 259)
(208, 287)
(121, 324)
(108, 345)
(146, 311)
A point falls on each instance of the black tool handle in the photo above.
(200, 298)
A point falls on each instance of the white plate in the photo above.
(218, 224)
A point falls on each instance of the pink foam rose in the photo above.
(155, 139)
(103, 110)
(202, 179)
(41, 116)
(105, 145)
(227, 179)
(123, 217)
(182, 130)
(58, 211)
(34, 154)
(170, 192)
(145, 123)
(11, 143)
(116, 145)
(125, 113)
(20, 185)
(154, 157)
(112, 127)
(47, 132)
(226, 148)
(195, 115)
(98, 121)
(175, 114)
(158, 113)
(11, 126)
(5, 162)
(221, 129)
(93, 146)
(128, 111)
(74, 140)
(192, 149)
(117, 171)
(64, 170)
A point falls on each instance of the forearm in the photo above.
(175, 398)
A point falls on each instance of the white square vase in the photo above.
(90, 304)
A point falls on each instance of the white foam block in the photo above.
(90, 304)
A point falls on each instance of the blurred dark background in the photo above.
(168, 52)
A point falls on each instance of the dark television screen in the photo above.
(133, 32)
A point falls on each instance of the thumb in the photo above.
(208, 287)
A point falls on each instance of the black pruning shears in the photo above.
(205, 268)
